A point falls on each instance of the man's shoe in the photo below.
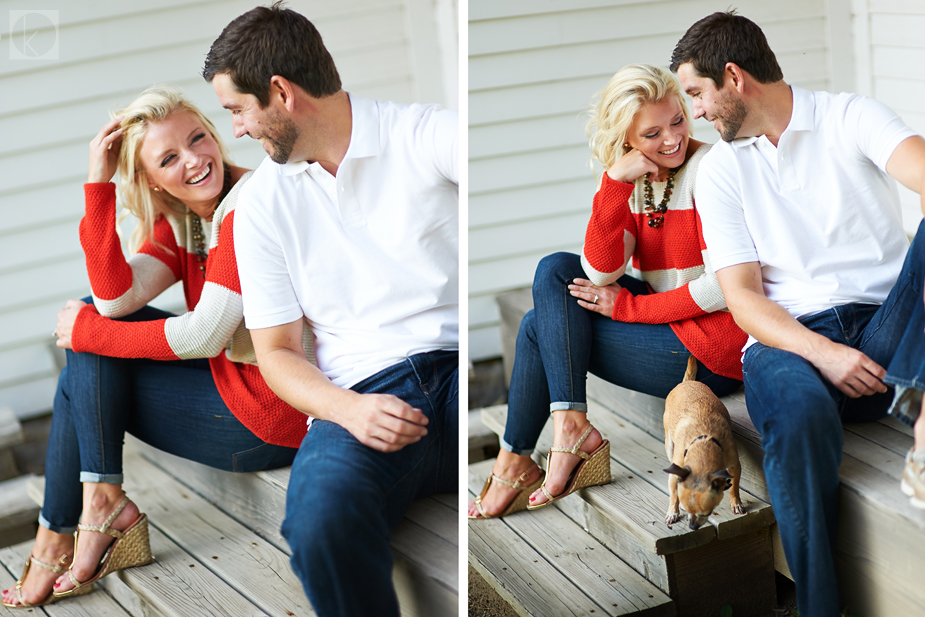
(913, 484)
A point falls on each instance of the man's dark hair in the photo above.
(726, 37)
(268, 41)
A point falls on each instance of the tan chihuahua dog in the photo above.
(699, 443)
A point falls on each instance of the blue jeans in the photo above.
(800, 415)
(560, 342)
(344, 498)
(173, 406)
(907, 370)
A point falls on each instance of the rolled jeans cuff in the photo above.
(907, 403)
(62, 530)
(518, 451)
(101, 478)
(563, 406)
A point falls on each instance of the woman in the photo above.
(634, 331)
(147, 373)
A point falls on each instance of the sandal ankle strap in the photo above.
(576, 449)
(57, 568)
(518, 483)
(105, 527)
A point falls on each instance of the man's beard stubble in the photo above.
(734, 113)
(285, 134)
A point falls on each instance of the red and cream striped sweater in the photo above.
(214, 326)
(673, 261)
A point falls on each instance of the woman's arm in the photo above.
(697, 297)
(122, 287)
(200, 333)
(611, 235)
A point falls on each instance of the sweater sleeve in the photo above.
(697, 297)
(200, 333)
(121, 287)
(611, 235)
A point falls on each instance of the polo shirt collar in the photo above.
(364, 131)
(804, 110)
(802, 117)
(291, 169)
(364, 135)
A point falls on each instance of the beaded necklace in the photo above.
(649, 200)
(196, 224)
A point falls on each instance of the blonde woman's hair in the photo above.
(153, 105)
(614, 108)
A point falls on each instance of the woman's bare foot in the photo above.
(510, 467)
(49, 547)
(100, 500)
(570, 426)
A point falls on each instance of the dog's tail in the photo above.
(691, 373)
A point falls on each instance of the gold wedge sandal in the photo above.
(592, 470)
(58, 568)
(520, 500)
(130, 548)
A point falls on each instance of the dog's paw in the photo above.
(672, 517)
(738, 508)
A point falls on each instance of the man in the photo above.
(349, 229)
(805, 234)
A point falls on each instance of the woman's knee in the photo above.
(556, 270)
(526, 334)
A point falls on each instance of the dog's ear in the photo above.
(720, 480)
(681, 472)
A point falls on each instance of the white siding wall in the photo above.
(533, 68)
(890, 52)
(110, 50)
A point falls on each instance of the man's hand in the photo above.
(66, 318)
(383, 422)
(380, 421)
(849, 370)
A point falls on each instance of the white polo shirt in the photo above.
(818, 213)
(370, 258)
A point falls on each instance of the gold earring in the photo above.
(156, 189)
(627, 145)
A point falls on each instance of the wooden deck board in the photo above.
(634, 499)
(645, 454)
(96, 604)
(255, 499)
(426, 544)
(234, 553)
(638, 458)
(586, 563)
(535, 591)
(177, 584)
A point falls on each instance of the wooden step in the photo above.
(209, 563)
(18, 512)
(480, 438)
(542, 563)
(880, 542)
(11, 434)
(628, 516)
(425, 543)
(97, 604)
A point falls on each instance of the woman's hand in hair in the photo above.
(595, 298)
(630, 166)
(66, 318)
(104, 152)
